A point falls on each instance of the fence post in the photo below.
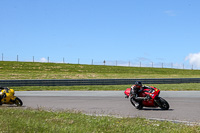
(17, 58)
(33, 59)
(92, 61)
(2, 56)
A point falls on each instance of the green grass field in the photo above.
(24, 120)
(42, 121)
(30, 70)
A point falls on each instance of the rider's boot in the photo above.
(137, 104)
(126, 96)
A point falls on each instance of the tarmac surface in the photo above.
(184, 105)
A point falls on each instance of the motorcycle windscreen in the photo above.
(127, 91)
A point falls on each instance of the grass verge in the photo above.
(15, 120)
(162, 87)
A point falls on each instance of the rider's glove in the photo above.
(147, 97)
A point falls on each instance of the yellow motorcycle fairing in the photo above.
(10, 98)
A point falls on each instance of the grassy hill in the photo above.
(35, 70)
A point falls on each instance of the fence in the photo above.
(79, 82)
(133, 63)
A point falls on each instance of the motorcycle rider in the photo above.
(135, 90)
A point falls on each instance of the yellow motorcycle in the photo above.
(7, 97)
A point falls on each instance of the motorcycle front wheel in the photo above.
(163, 104)
(18, 102)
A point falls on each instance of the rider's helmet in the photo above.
(138, 84)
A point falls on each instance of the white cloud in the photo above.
(43, 60)
(194, 59)
(143, 59)
(170, 13)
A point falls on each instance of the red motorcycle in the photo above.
(153, 99)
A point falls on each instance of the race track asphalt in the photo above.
(184, 105)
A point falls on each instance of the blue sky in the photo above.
(146, 31)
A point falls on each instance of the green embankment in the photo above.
(35, 70)
(30, 70)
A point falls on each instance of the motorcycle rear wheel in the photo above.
(18, 102)
(164, 104)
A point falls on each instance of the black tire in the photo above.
(163, 104)
(18, 102)
(140, 106)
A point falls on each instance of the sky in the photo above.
(151, 33)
